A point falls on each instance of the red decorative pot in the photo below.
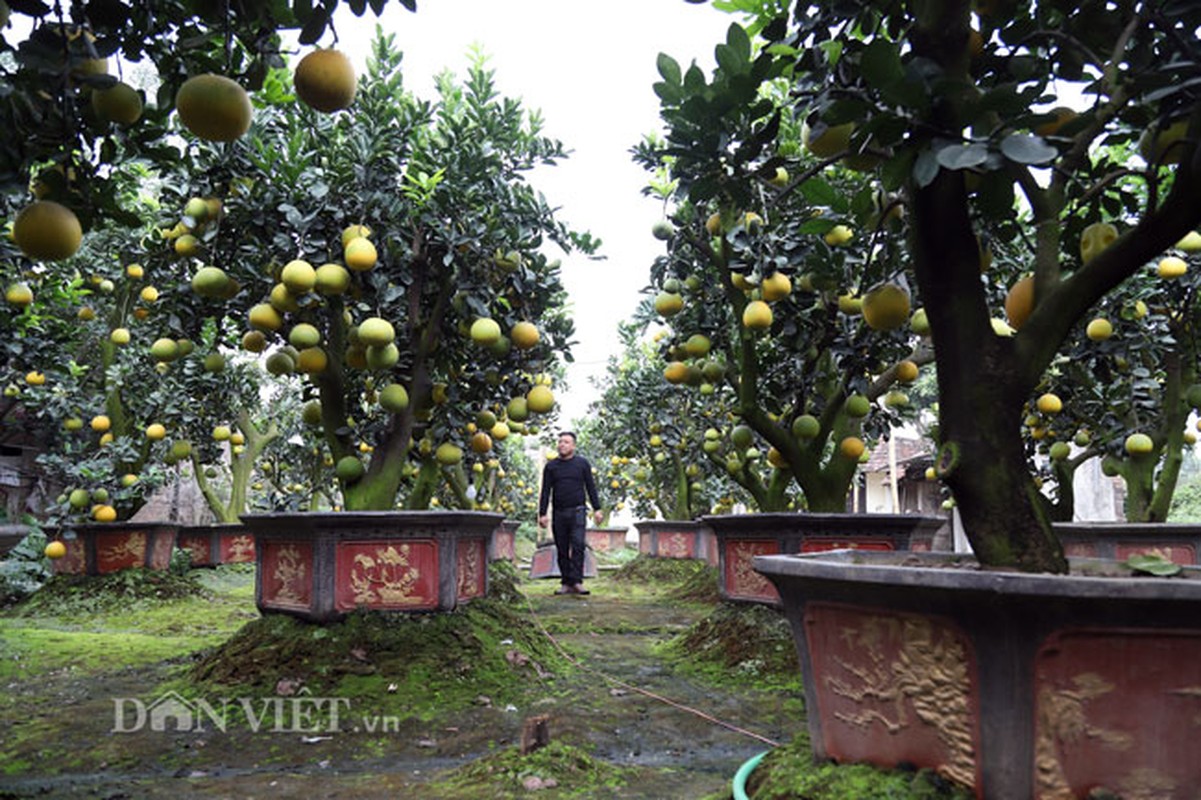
(503, 546)
(210, 545)
(742, 537)
(677, 539)
(104, 547)
(606, 540)
(321, 566)
(1178, 542)
(1017, 685)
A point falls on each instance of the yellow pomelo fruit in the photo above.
(214, 108)
(119, 103)
(1191, 243)
(254, 341)
(1099, 329)
(830, 142)
(353, 232)
(757, 315)
(360, 254)
(776, 286)
(1019, 302)
(851, 447)
(668, 304)
(104, 513)
(101, 423)
(298, 276)
(481, 442)
(907, 371)
(1049, 403)
(332, 279)
(19, 294)
(838, 235)
(164, 349)
(312, 361)
(149, 294)
(886, 307)
(1164, 145)
(221, 433)
(394, 398)
(1095, 238)
(47, 231)
(485, 331)
(135, 271)
(35, 378)
(187, 245)
(524, 335)
(448, 454)
(280, 363)
(282, 300)
(1171, 267)
(264, 317)
(304, 335)
(1138, 444)
(210, 282)
(325, 80)
(676, 372)
(156, 431)
(376, 332)
(381, 356)
(540, 399)
(55, 550)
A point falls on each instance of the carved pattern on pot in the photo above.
(1063, 717)
(471, 570)
(387, 578)
(746, 581)
(928, 673)
(131, 549)
(241, 548)
(289, 574)
(197, 548)
(674, 545)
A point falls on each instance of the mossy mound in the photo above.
(73, 595)
(739, 640)
(676, 571)
(567, 770)
(416, 662)
(788, 773)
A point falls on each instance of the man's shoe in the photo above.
(565, 589)
(579, 589)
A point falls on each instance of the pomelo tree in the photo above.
(948, 96)
(789, 292)
(393, 255)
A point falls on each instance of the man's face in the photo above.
(566, 446)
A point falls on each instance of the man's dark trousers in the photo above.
(569, 526)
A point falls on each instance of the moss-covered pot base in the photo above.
(677, 539)
(742, 537)
(101, 548)
(1017, 685)
(210, 545)
(321, 566)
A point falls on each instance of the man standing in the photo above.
(568, 477)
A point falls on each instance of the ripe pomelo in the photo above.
(214, 108)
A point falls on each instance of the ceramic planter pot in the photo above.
(101, 548)
(210, 545)
(503, 546)
(677, 539)
(606, 540)
(545, 562)
(1019, 685)
(321, 566)
(742, 537)
(1178, 542)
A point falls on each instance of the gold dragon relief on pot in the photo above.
(909, 671)
(1064, 720)
(387, 577)
(289, 575)
(131, 548)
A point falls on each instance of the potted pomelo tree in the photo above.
(929, 94)
(399, 270)
(786, 304)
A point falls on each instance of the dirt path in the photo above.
(58, 738)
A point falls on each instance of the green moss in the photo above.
(411, 665)
(30, 652)
(736, 642)
(788, 773)
(555, 771)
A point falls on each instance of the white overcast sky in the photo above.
(589, 67)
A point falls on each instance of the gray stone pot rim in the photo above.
(368, 516)
(959, 573)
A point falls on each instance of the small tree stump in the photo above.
(535, 733)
